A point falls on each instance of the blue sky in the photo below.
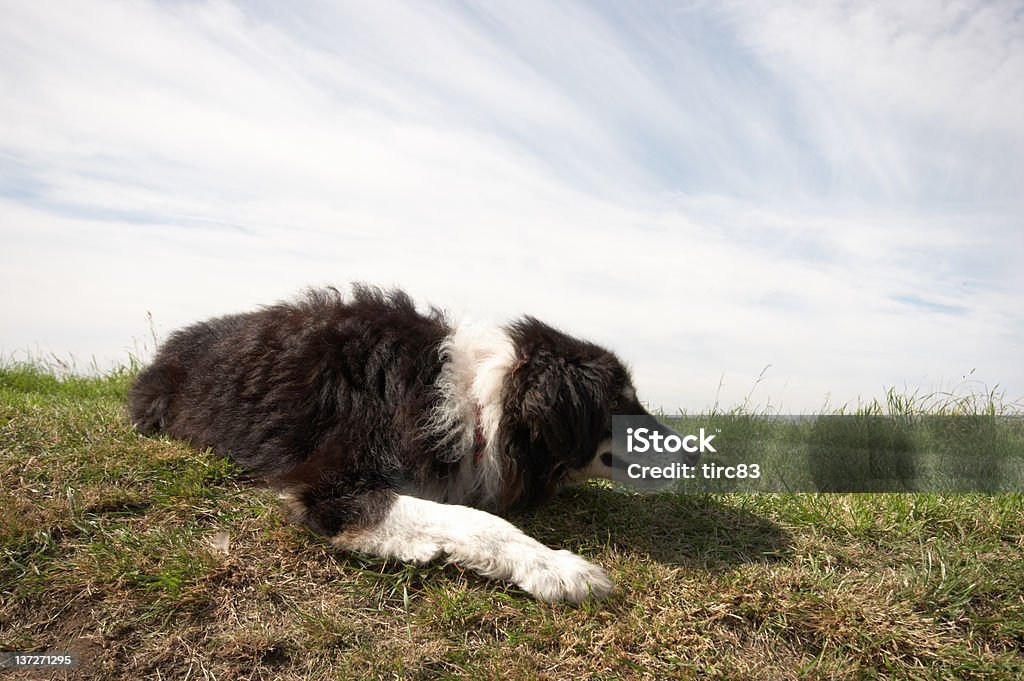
(829, 188)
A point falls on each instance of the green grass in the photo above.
(980, 452)
(111, 545)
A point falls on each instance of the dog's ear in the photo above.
(557, 401)
(564, 408)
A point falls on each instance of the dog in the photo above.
(396, 433)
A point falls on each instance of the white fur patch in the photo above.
(478, 359)
(419, 531)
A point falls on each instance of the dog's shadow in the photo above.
(695, 531)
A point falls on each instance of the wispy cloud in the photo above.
(909, 100)
(708, 188)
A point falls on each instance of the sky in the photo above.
(781, 203)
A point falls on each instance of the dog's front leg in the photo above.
(418, 531)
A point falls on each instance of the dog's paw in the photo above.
(564, 576)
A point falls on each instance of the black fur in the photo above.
(558, 406)
(329, 398)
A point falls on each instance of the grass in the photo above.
(915, 452)
(153, 560)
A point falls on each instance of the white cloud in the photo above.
(921, 99)
(959, 62)
(697, 188)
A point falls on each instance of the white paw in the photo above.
(564, 576)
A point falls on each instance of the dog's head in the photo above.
(558, 406)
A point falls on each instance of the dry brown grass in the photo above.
(113, 548)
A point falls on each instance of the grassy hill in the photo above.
(146, 557)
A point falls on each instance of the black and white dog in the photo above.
(396, 433)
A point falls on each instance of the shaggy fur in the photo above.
(396, 433)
